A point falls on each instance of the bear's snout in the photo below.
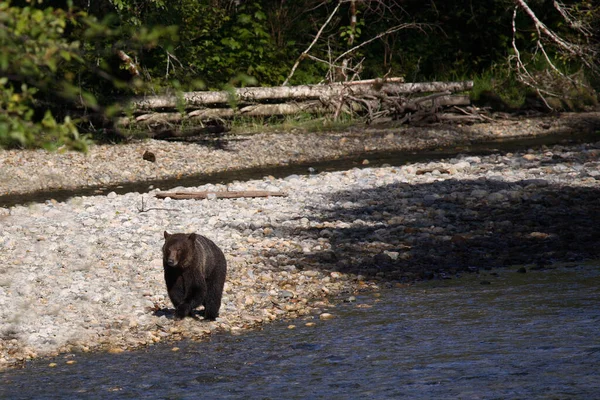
(172, 262)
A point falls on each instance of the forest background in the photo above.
(67, 66)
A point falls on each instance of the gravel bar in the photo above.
(86, 274)
(25, 171)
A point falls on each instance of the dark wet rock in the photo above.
(382, 260)
(328, 257)
(326, 233)
(535, 182)
(427, 275)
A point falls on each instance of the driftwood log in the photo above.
(219, 195)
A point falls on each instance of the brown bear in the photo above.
(195, 270)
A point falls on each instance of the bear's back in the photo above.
(210, 255)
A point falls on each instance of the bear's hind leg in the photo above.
(211, 311)
(213, 302)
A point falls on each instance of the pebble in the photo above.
(87, 273)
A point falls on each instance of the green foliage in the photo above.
(48, 70)
(500, 81)
(349, 31)
(102, 41)
(17, 127)
(217, 45)
(33, 53)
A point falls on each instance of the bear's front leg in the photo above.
(194, 295)
(183, 310)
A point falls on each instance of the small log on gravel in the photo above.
(219, 195)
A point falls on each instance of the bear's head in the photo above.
(178, 249)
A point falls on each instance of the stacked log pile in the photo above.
(371, 99)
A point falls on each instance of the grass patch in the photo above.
(291, 123)
(500, 89)
(250, 125)
(500, 82)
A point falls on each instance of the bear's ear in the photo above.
(192, 237)
(167, 234)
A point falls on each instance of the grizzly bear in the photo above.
(195, 270)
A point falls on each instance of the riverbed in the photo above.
(521, 332)
(84, 274)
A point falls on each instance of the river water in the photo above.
(492, 335)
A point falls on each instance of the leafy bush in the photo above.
(33, 51)
(58, 62)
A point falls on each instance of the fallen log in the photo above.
(219, 195)
(389, 87)
(351, 104)
(435, 100)
(208, 114)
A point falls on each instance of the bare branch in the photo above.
(337, 63)
(522, 73)
(129, 63)
(553, 81)
(144, 209)
(571, 48)
(380, 35)
(574, 23)
(317, 36)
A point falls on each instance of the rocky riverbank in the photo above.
(86, 274)
(25, 171)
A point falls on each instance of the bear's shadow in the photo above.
(170, 313)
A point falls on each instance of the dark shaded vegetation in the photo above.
(68, 66)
